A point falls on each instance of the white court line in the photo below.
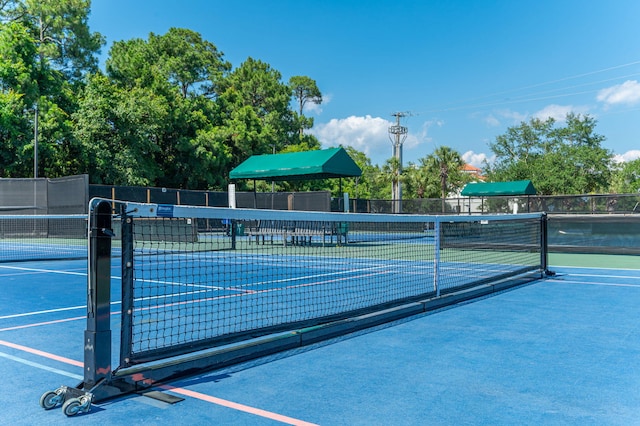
(314, 276)
(625, 277)
(593, 267)
(41, 366)
(49, 271)
(557, 281)
(24, 273)
(179, 284)
(182, 391)
(48, 311)
(71, 308)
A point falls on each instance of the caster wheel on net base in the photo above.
(51, 399)
(73, 406)
(73, 400)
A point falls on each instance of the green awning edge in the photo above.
(488, 189)
(307, 165)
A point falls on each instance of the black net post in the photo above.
(127, 287)
(544, 244)
(97, 336)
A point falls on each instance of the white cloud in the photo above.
(366, 134)
(496, 118)
(477, 159)
(627, 156)
(559, 112)
(492, 121)
(424, 133)
(625, 93)
(513, 116)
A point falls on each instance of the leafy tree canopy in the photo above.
(558, 160)
(627, 179)
(61, 32)
(46, 50)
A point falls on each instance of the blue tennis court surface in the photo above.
(563, 350)
(179, 290)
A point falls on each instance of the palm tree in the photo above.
(444, 162)
(419, 183)
(391, 171)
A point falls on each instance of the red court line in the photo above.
(42, 353)
(236, 406)
(181, 391)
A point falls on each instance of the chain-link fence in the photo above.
(70, 195)
(569, 204)
(307, 201)
(603, 223)
(598, 223)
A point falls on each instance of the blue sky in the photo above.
(463, 71)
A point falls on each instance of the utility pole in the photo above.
(397, 134)
(35, 141)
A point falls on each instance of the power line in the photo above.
(464, 104)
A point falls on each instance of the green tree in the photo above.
(180, 58)
(359, 187)
(63, 35)
(626, 180)
(168, 112)
(558, 160)
(590, 164)
(18, 93)
(119, 129)
(47, 49)
(386, 178)
(445, 163)
(191, 63)
(254, 106)
(178, 139)
(420, 182)
(14, 134)
(304, 90)
(18, 66)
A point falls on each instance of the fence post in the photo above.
(436, 256)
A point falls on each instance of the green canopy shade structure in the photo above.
(308, 165)
(488, 189)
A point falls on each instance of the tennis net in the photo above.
(207, 287)
(257, 272)
(42, 237)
